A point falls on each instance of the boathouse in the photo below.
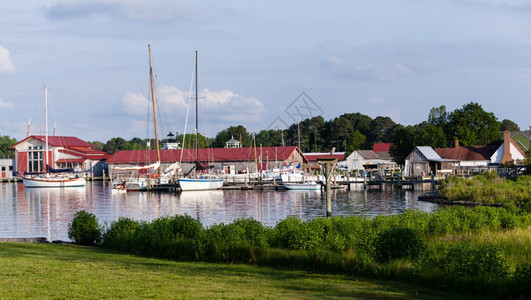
(222, 160)
(64, 152)
(423, 161)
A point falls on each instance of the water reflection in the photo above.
(47, 212)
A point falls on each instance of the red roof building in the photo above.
(64, 152)
(240, 158)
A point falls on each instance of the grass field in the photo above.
(69, 271)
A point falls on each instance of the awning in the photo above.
(70, 160)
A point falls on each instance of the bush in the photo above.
(483, 264)
(243, 240)
(121, 235)
(522, 278)
(84, 229)
(398, 242)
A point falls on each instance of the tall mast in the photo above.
(46, 129)
(154, 108)
(196, 97)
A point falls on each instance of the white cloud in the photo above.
(131, 10)
(5, 62)
(226, 105)
(6, 104)
(135, 103)
(381, 72)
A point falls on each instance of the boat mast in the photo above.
(196, 112)
(45, 129)
(154, 109)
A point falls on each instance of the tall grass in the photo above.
(488, 188)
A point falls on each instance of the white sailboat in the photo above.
(46, 179)
(199, 182)
(160, 180)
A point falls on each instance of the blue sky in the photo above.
(395, 58)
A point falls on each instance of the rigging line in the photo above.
(187, 112)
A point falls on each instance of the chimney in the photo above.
(506, 147)
(456, 143)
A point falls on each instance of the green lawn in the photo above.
(69, 271)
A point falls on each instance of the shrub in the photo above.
(483, 264)
(398, 242)
(242, 240)
(121, 235)
(84, 229)
(522, 278)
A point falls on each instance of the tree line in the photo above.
(470, 124)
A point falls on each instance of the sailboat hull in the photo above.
(200, 184)
(40, 182)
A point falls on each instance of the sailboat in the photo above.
(158, 181)
(204, 181)
(47, 180)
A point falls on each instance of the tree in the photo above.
(406, 139)
(509, 125)
(382, 130)
(357, 141)
(5, 143)
(438, 116)
(237, 132)
(269, 138)
(98, 145)
(114, 145)
(471, 125)
(434, 136)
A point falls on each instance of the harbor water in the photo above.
(47, 212)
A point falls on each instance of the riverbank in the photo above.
(69, 271)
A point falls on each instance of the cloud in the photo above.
(224, 105)
(134, 103)
(379, 72)
(6, 104)
(6, 65)
(130, 10)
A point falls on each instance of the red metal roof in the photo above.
(381, 147)
(205, 154)
(59, 141)
(71, 160)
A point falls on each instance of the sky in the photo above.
(262, 64)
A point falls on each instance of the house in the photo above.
(368, 159)
(64, 152)
(382, 150)
(423, 160)
(483, 156)
(223, 159)
(6, 168)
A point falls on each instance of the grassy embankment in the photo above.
(69, 271)
(488, 188)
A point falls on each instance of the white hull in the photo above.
(40, 182)
(200, 184)
(307, 186)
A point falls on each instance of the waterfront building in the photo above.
(64, 152)
(237, 160)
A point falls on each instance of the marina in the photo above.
(45, 212)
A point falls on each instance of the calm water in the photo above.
(47, 212)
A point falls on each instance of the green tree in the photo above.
(508, 125)
(438, 116)
(357, 141)
(269, 138)
(98, 145)
(114, 145)
(434, 136)
(5, 143)
(382, 130)
(239, 133)
(406, 139)
(189, 141)
(471, 125)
